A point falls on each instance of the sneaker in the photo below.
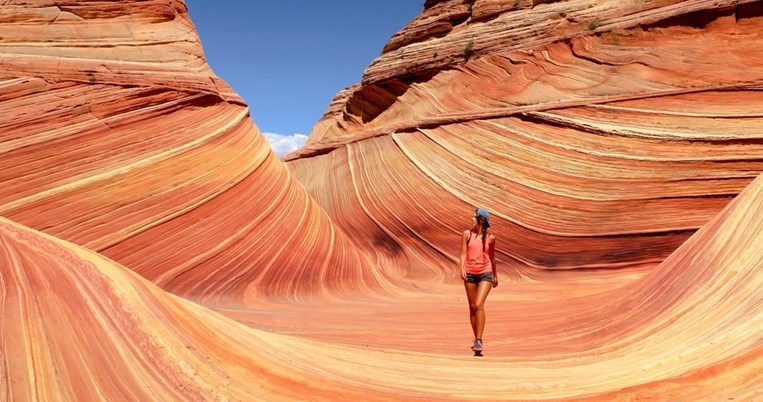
(477, 347)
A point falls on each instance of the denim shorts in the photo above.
(477, 278)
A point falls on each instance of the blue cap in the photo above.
(483, 213)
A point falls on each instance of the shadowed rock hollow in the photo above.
(617, 145)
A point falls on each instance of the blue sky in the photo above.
(288, 58)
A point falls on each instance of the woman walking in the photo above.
(478, 271)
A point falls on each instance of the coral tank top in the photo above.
(477, 259)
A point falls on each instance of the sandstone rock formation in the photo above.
(595, 147)
(117, 136)
(76, 326)
(617, 145)
(146, 344)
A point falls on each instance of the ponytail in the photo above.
(484, 235)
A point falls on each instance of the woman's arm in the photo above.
(464, 238)
(491, 254)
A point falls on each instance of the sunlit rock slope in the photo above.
(116, 135)
(615, 142)
(77, 326)
(601, 133)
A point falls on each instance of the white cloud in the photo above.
(283, 144)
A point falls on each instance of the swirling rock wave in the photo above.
(616, 144)
(117, 136)
(147, 344)
(605, 147)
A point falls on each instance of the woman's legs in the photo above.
(483, 288)
(471, 296)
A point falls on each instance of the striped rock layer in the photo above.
(599, 133)
(146, 344)
(116, 135)
(615, 143)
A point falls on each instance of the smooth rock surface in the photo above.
(116, 135)
(619, 161)
(604, 149)
(687, 330)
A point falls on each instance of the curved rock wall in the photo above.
(597, 147)
(617, 145)
(116, 135)
(147, 344)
